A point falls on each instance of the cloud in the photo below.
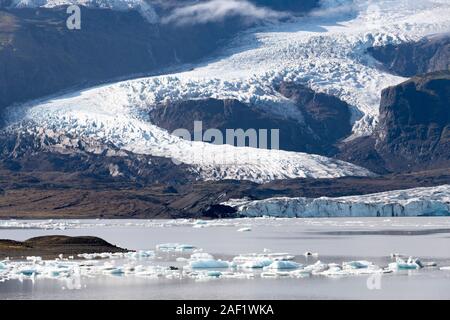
(218, 10)
(329, 8)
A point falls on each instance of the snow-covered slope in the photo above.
(142, 6)
(411, 202)
(325, 50)
(108, 119)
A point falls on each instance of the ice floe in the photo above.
(200, 266)
(283, 265)
(410, 264)
(170, 247)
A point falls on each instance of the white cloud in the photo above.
(329, 8)
(217, 10)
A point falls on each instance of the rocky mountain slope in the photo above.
(326, 119)
(40, 56)
(414, 127)
(109, 151)
(416, 57)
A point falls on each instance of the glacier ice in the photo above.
(410, 264)
(142, 6)
(409, 202)
(326, 52)
(283, 265)
(208, 264)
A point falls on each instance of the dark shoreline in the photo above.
(52, 246)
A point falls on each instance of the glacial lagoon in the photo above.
(250, 258)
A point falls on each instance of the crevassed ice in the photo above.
(325, 50)
(410, 202)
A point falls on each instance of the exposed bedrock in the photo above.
(413, 58)
(326, 118)
(413, 131)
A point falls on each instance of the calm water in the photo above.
(336, 240)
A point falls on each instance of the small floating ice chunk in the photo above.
(257, 263)
(214, 274)
(28, 272)
(445, 268)
(410, 264)
(276, 265)
(141, 254)
(244, 229)
(169, 247)
(201, 255)
(200, 224)
(33, 259)
(208, 264)
(356, 264)
(317, 267)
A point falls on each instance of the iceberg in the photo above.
(209, 264)
(410, 264)
(214, 274)
(257, 264)
(201, 256)
(141, 254)
(276, 265)
(356, 264)
(317, 267)
(169, 247)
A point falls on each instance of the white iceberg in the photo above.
(276, 265)
(357, 264)
(201, 256)
(257, 263)
(209, 264)
(410, 264)
(169, 247)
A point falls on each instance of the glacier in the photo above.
(409, 202)
(325, 50)
(142, 6)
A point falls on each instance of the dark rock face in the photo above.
(326, 116)
(230, 114)
(414, 128)
(410, 59)
(44, 153)
(327, 119)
